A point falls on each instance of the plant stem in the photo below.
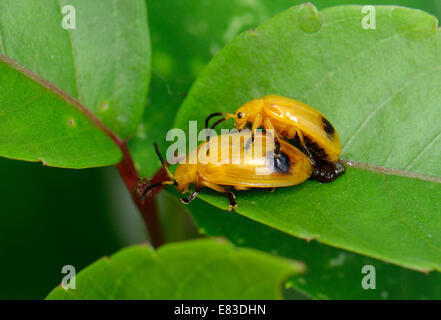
(147, 208)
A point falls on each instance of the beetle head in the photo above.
(247, 113)
(185, 174)
(240, 117)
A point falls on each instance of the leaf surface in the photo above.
(198, 269)
(103, 63)
(41, 123)
(332, 273)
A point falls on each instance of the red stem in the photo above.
(147, 208)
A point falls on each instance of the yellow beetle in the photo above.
(293, 119)
(238, 167)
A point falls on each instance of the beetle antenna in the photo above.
(148, 189)
(218, 121)
(216, 114)
(226, 116)
(151, 186)
(169, 174)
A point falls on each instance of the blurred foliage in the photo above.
(50, 218)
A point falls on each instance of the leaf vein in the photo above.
(382, 105)
(353, 58)
(427, 147)
(74, 60)
(391, 171)
(2, 44)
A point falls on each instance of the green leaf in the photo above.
(198, 269)
(104, 64)
(332, 273)
(41, 123)
(385, 106)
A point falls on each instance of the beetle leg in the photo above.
(269, 126)
(214, 186)
(224, 190)
(190, 197)
(302, 143)
(256, 124)
(291, 132)
(240, 188)
(232, 199)
(249, 142)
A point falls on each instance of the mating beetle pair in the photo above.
(286, 118)
(293, 119)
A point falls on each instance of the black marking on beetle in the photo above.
(281, 163)
(327, 126)
(314, 148)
